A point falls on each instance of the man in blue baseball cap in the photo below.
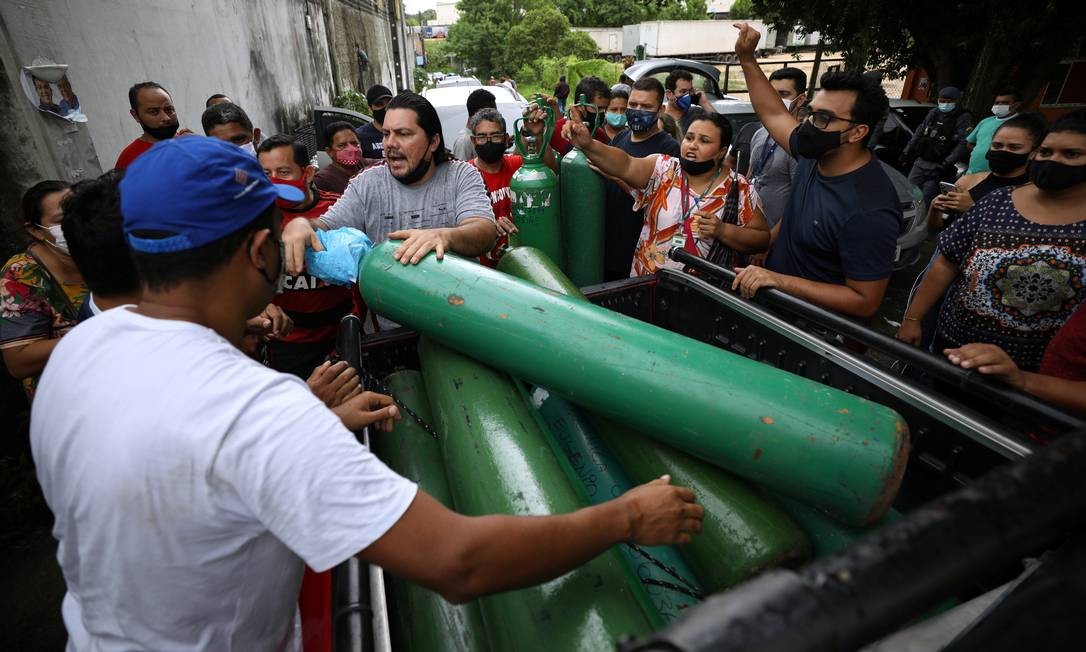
(938, 144)
(190, 483)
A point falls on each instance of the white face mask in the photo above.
(58, 235)
(248, 148)
(1001, 110)
(788, 103)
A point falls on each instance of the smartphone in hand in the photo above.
(945, 187)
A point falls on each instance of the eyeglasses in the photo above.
(488, 138)
(821, 119)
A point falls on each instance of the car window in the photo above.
(702, 82)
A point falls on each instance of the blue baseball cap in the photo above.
(199, 189)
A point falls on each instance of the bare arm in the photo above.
(753, 238)
(993, 361)
(767, 103)
(855, 298)
(932, 288)
(30, 358)
(465, 557)
(611, 161)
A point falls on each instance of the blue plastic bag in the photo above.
(344, 250)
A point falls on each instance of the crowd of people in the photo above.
(239, 458)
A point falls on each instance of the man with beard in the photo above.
(490, 138)
(422, 196)
(346, 154)
(152, 107)
(840, 226)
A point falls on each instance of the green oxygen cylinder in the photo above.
(583, 214)
(827, 535)
(499, 462)
(420, 619)
(742, 534)
(534, 187)
(596, 471)
(839, 452)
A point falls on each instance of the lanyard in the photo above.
(766, 155)
(680, 237)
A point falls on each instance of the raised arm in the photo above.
(767, 102)
(611, 161)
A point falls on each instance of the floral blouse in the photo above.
(35, 306)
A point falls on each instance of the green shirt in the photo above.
(981, 137)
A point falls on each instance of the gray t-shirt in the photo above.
(773, 178)
(463, 148)
(377, 204)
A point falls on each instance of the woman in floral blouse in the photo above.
(42, 290)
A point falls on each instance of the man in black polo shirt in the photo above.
(643, 138)
(837, 239)
(370, 137)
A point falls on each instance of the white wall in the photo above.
(259, 52)
(447, 13)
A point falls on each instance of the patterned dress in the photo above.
(1019, 281)
(35, 306)
(663, 203)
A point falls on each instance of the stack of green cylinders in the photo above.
(498, 462)
(601, 478)
(838, 452)
(419, 618)
(742, 534)
(583, 214)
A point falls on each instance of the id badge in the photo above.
(678, 241)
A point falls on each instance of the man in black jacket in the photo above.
(937, 144)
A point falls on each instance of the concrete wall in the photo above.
(270, 56)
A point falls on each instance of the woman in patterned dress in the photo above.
(684, 198)
(1013, 267)
(42, 290)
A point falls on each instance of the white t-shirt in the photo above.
(189, 483)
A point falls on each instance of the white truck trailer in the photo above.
(712, 40)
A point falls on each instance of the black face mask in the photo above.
(1054, 177)
(694, 168)
(1003, 162)
(490, 152)
(812, 142)
(161, 133)
(379, 115)
(416, 174)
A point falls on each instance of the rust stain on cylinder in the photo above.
(757, 453)
(767, 420)
(456, 300)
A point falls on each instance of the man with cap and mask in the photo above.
(840, 227)
(936, 144)
(191, 485)
(370, 136)
(152, 107)
(421, 196)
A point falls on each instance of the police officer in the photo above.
(936, 145)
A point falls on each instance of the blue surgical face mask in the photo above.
(947, 107)
(641, 121)
(616, 120)
(684, 102)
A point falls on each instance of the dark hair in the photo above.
(33, 197)
(134, 92)
(216, 96)
(163, 271)
(719, 121)
(562, 78)
(674, 76)
(301, 154)
(798, 77)
(426, 117)
(94, 228)
(224, 113)
(334, 128)
(1032, 123)
(1010, 90)
(870, 104)
(480, 98)
(1074, 122)
(591, 87)
(651, 84)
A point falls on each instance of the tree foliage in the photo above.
(976, 45)
(741, 10)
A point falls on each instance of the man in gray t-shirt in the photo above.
(419, 195)
(770, 172)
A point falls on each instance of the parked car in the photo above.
(450, 102)
(457, 80)
(706, 77)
